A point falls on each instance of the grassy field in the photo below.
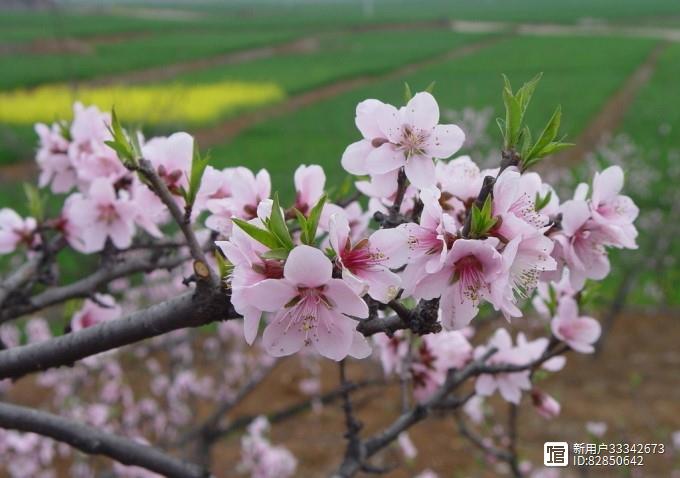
(573, 76)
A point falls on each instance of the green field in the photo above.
(350, 39)
(573, 76)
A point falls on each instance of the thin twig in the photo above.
(87, 286)
(201, 265)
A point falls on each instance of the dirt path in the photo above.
(217, 134)
(73, 45)
(612, 113)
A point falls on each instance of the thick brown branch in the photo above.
(94, 441)
(191, 309)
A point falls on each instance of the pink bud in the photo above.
(546, 406)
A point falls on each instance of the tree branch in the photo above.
(88, 285)
(203, 270)
(191, 309)
(93, 441)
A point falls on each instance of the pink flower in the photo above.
(14, 230)
(90, 156)
(94, 312)
(427, 473)
(409, 138)
(437, 354)
(172, 157)
(546, 406)
(216, 184)
(247, 191)
(393, 350)
(249, 269)
(366, 264)
(561, 289)
(459, 178)
(613, 210)
(309, 185)
(597, 429)
(464, 281)
(428, 243)
(514, 197)
(53, 160)
(102, 214)
(474, 408)
(260, 458)
(309, 307)
(578, 332)
(150, 212)
(407, 447)
(582, 244)
(524, 260)
(510, 385)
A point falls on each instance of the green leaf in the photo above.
(65, 131)
(526, 142)
(548, 135)
(313, 219)
(280, 254)
(552, 148)
(198, 165)
(223, 265)
(513, 117)
(35, 201)
(501, 125)
(542, 202)
(430, 87)
(277, 225)
(302, 220)
(407, 93)
(260, 235)
(525, 93)
(482, 220)
(120, 142)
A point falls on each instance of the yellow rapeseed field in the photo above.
(147, 104)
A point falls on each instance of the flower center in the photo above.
(468, 272)
(361, 257)
(413, 141)
(107, 213)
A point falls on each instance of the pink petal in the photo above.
(383, 284)
(384, 159)
(334, 334)
(279, 339)
(457, 311)
(270, 295)
(485, 385)
(607, 184)
(366, 118)
(354, 159)
(345, 300)
(422, 111)
(338, 232)
(391, 245)
(360, 347)
(251, 323)
(574, 215)
(420, 171)
(445, 140)
(308, 267)
(390, 122)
